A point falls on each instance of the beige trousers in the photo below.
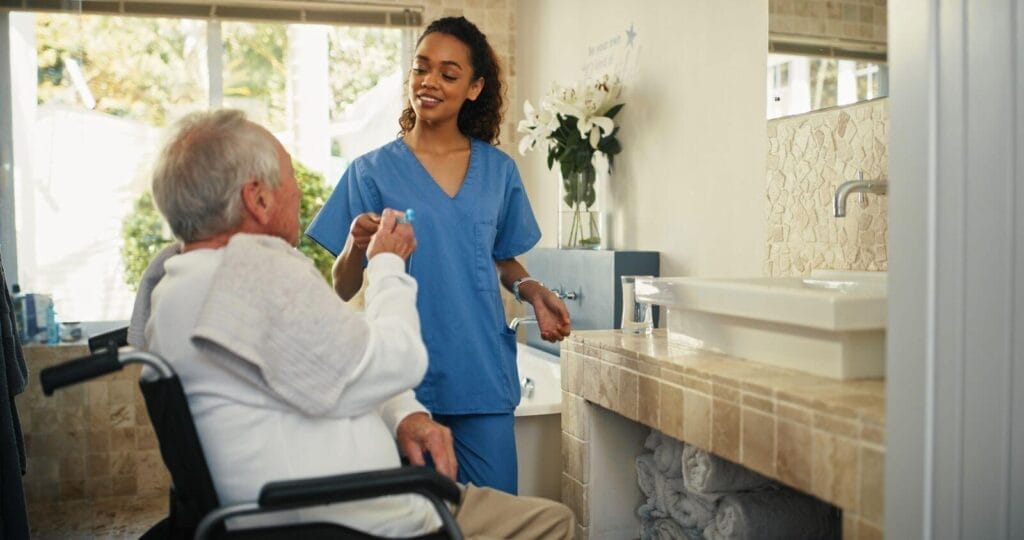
(489, 514)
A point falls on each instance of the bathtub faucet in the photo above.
(860, 185)
(514, 325)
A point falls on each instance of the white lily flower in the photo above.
(526, 144)
(588, 123)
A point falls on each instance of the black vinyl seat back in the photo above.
(193, 494)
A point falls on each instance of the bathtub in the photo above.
(538, 424)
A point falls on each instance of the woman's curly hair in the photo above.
(480, 119)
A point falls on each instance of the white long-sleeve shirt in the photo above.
(258, 415)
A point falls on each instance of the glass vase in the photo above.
(580, 219)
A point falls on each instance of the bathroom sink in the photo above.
(831, 323)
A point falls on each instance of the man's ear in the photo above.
(257, 200)
(475, 88)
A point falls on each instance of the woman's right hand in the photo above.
(392, 237)
(362, 229)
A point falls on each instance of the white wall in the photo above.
(955, 401)
(690, 181)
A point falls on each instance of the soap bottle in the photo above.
(52, 329)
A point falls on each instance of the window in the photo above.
(798, 84)
(94, 95)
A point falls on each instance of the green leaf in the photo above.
(614, 110)
(609, 146)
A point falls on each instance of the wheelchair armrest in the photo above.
(343, 488)
(363, 485)
(80, 369)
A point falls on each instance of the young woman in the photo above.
(472, 218)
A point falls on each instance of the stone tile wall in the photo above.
(820, 436)
(88, 441)
(851, 20)
(809, 155)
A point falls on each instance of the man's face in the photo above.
(287, 198)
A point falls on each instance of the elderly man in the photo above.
(283, 379)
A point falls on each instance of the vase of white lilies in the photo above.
(576, 124)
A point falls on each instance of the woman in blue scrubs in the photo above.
(472, 219)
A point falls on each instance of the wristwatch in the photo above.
(517, 283)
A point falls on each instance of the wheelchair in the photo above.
(195, 511)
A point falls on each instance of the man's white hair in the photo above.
(198, 178)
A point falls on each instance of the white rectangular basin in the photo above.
(830, 324)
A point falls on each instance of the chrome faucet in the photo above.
(514, 325)
(860, 185)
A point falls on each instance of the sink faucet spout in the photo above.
(878, 187)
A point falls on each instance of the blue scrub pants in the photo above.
(485, 445)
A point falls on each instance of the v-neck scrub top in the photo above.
(472, 358)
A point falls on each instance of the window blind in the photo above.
(294, 11)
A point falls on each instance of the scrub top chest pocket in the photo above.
(483, 243)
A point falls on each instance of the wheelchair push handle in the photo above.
(80, 369)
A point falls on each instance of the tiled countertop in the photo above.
(822, 436)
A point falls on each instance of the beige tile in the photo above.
(574, 415)
(591, 387)
(121, 415)
(628, 393)
(697, 419)
(97, 465)
(99, 487)
(794, 413)
(98, 441)
(696, 383)
(123, 463)
(648, 401)
(872, 433)
(671, 411)
(757, 447)
(850, 521)
(793, 460)
(582, 533)
(122, 439)
(572, 379)
(574, 495)
(72, 467)
(869, 531)
(836, 425)
(758, 402)
(725, 429)
(124, 486)
(836, 470)
(872, 477)
(575, 458)
(608, 386)
(726, 392)
(72, 490)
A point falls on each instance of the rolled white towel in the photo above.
(645, 473)
(708, 473)
(691, 510)
(782, 514)
(667, 456)
(665, 529)
(653, 440)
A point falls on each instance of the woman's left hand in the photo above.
(552, 317)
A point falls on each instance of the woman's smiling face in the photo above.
(441, 78)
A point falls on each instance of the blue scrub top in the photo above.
(472, 367)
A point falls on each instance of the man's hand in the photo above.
(392, 237)
(552, 316)
(418, 433)
(362, 230)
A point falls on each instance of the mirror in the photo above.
(824, 53)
